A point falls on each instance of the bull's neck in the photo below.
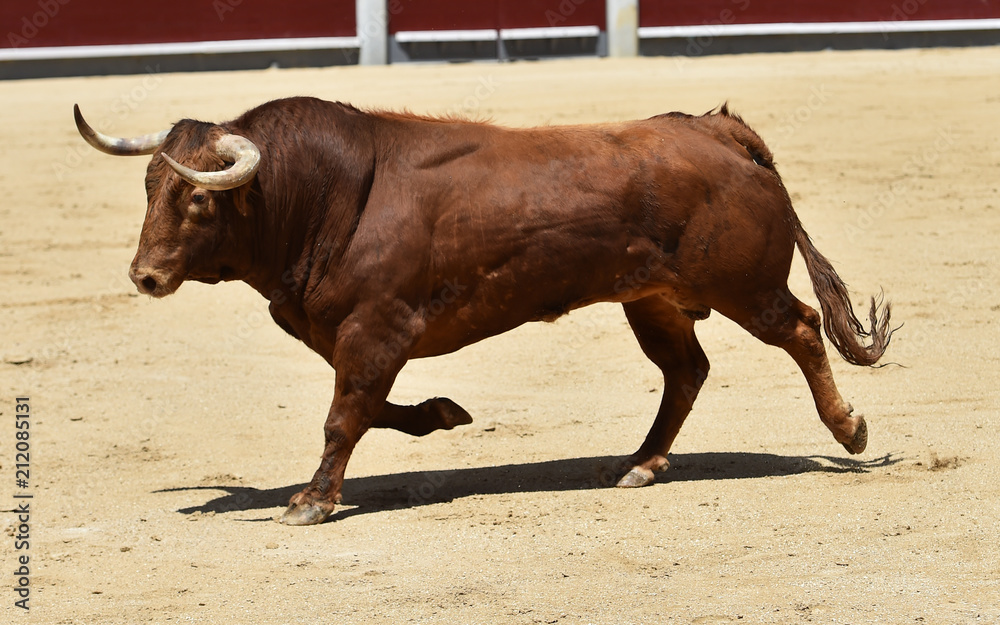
(279, 244)
(304, 209)
(287, 244)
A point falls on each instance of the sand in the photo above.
(167, 434)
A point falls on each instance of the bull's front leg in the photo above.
(364, 378)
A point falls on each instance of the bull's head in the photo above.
(191, 226)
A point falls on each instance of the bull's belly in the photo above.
(483, 304)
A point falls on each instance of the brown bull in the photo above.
(381, 237)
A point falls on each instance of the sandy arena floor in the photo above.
(167, 434)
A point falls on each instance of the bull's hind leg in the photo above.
(667, 337)
(439, 413)
(779, 318)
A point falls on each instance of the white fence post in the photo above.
(623, 27)
(373, 32)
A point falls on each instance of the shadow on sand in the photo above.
(413, 489)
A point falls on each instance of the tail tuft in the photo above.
(856, 344)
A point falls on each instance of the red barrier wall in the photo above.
(441, 14)
(546, 13)
(35, 23)
(466, 15)
(699, 12)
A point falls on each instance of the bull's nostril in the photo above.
(149, 284)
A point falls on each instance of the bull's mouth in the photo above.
(160, 283)
(224, 275)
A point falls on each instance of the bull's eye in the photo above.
(199, 208)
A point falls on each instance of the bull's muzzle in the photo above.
(148, 281)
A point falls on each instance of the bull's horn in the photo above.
(240, 150)
(135, 146)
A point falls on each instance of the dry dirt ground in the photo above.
(166, 435)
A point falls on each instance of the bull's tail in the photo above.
(857, 345)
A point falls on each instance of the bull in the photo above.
(378, 237)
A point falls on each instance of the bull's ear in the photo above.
(241, 200)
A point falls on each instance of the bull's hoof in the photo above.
(452, 415)
(635, 478)
(643, 470)
(305, 514)
(860, 440)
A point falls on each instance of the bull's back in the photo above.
(534, 223)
